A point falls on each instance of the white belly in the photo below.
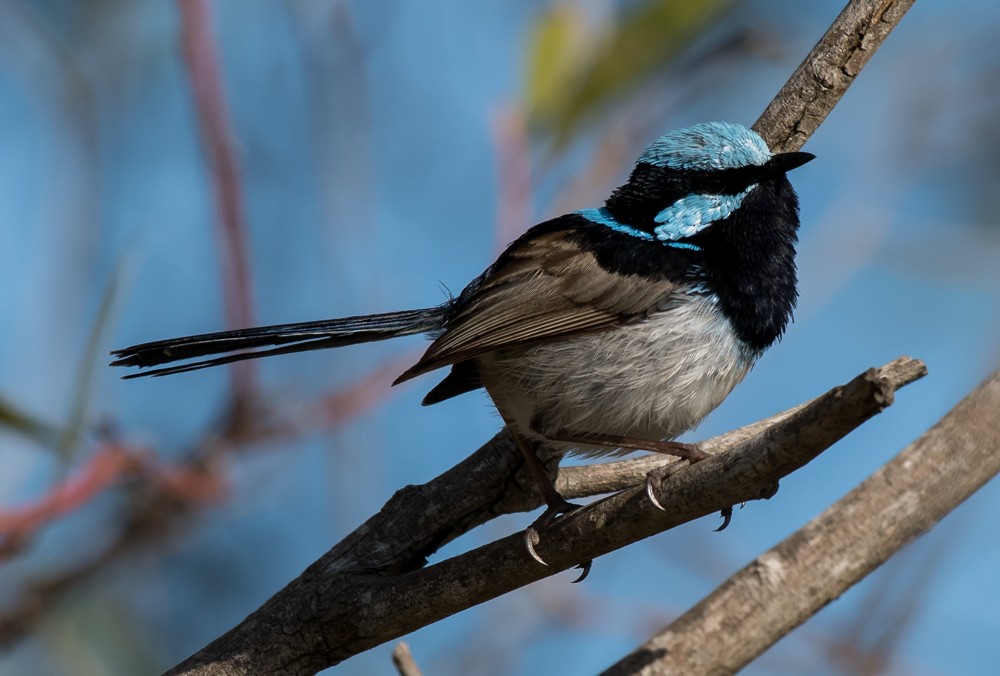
(653, 380)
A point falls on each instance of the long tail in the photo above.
(293, 337)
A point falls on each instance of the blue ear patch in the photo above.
(693, 213)
(604, 217)
(706, 147)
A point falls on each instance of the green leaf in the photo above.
(555, 57)
(568, 83)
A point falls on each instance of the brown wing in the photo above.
(544, 287)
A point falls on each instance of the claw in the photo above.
(584, 569)
(657, 476)
(727, 516)
(551, 513)
(649, 491)
(530, 540)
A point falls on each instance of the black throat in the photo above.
(749, 262)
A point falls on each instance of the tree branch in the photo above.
(818, 84)
(583, 481)
(403, 660)
(364, 591)
(787, 585)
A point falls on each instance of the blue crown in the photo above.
(708, 146)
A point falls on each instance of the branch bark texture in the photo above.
(343, 605)
(818, 84)
(785, 586)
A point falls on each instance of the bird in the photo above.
(602, 331)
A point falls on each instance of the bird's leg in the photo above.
(686, 451)
(555, 503)
(656, 476)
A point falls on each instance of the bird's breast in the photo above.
(653, 379)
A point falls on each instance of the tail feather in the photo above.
(291, 337)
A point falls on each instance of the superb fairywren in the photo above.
(605, 330)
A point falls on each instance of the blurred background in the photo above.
(176, 168)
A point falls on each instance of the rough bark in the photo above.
(824, 76)
(785, 586)
(365, 591)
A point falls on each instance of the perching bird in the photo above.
(605, 330)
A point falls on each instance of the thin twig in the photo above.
(818, 84)
(110, 465)
(403, 660)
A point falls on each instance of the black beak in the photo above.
(782, 162)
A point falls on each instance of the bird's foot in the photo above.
(584, 569)
(657, 476)
(655, 479)
(688, 452)
(727, 516)
(768, 492)
(765, 493)
(557, 506)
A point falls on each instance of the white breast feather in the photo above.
(652, 380)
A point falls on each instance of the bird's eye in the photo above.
(711, 183)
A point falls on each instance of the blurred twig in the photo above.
(70, 433)
(868, 645)
(510, 147)
(197, 39)
(111, 464)
(150, 520)
(162, 499)
(403, 660)
(12, 417)
(346, 403)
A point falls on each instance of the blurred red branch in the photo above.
(114, 462)
(103, 468)
(110, 465)
(161, 501)
(217, 134)
(161, 498)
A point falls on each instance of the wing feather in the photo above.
(542, 288)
